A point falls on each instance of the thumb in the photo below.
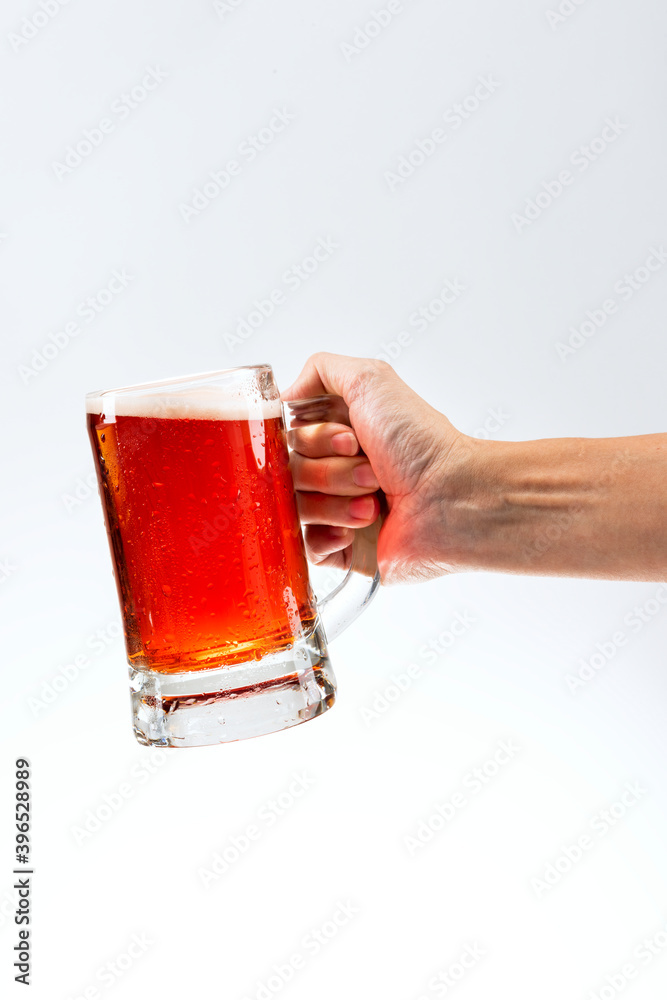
(334, 374)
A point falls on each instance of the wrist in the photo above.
(471, 491)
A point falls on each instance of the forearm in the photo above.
(568, 507)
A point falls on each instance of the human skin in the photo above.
(578, 507)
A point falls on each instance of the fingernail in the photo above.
(345, 443)
(339, 532)
(362, 508)
(363, 475)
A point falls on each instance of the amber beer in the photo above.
(203, 527)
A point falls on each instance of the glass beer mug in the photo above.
(224, 639)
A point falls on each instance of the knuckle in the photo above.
(368, 373)
(325, 475)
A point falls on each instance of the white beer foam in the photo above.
(196, 404)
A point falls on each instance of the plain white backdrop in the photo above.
(423, 142)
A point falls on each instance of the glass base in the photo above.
(220, 705)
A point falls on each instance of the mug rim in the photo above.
(159, 383)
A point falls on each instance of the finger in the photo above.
(322, 540)
(342, 512)
(334, 373)
(336, 560)
(322, 440)
(351, 477)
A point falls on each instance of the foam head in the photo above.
(201, 402)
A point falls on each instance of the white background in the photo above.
(356, 111)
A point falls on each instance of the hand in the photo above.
(562, 507)
(406, 445)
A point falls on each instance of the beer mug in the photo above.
(223, 635)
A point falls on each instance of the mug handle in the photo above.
(359, 586)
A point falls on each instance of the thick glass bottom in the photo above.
(205, 707)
